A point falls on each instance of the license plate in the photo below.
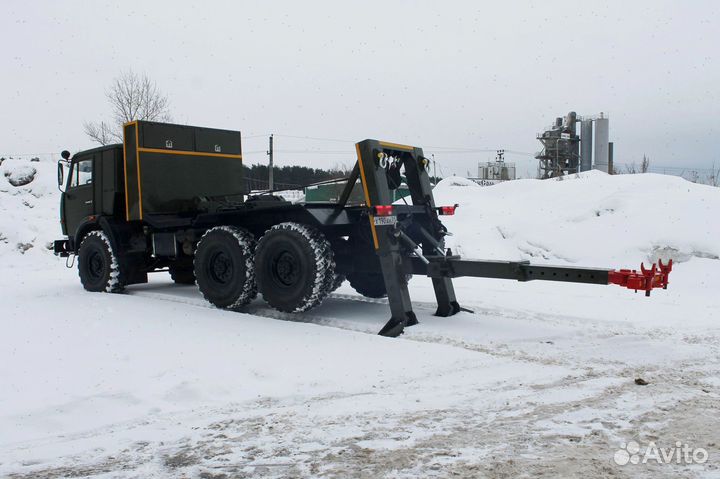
(385, 220)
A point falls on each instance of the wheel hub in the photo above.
(286, 268)
(95, 265)
(221, 267)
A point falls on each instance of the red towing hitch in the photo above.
(645, 279)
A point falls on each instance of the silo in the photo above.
(586, 145)
(602, 137)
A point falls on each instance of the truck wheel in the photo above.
(98, 267)
(338, 280)
(224, 267)
(295, 267)
(370, 285)
(182, 275)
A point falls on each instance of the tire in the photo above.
(370, 285)
(98, 266)
(182, 275)
(295, 267)
(224, 267)
(338, 280)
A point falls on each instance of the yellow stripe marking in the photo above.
(374, 231)
(127, 202)
(137, 159)
(367, 196)
(396, 146)
(188, 153)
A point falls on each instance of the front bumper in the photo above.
(62, 248)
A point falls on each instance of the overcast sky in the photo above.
(447, 74)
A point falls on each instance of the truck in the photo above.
(172, 198)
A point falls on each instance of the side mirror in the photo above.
(65, 155)
(61, 176)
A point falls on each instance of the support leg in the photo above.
(401, 311)
(445, 296)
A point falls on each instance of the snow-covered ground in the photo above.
(538, 381)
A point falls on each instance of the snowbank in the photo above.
(591, 219)
(29, 209)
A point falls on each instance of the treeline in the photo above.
(256, 176)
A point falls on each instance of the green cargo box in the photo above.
(159, 158)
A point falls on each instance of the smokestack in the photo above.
(586, 132)
(571, 120)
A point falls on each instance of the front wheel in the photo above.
(98, 266)
(224, 267)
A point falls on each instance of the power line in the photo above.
(28, 154)
(320, 152)
(476, 150)
(315, 138)
(245, 137)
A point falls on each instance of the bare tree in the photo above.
(99, 132)
(631, 169)
(714, 178)
(131, 97)
(645, 165)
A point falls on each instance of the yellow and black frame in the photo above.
(396, 229)
(409, 238)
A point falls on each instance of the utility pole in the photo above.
(270, 168)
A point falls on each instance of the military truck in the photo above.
(172, 198)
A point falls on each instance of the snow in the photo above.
(591, 218)
(539, 380)
(27, 212)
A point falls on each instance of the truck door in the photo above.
(78, 197)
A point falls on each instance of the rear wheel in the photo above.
(224, 267)
(98, 266)
(295, 267)
(338, 280)
(371, 285)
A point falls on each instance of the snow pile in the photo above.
(21, 175)
(591, 219)
(29, 205)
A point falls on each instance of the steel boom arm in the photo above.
(455, 267)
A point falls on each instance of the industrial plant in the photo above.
(564, 152)
(492, 172)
